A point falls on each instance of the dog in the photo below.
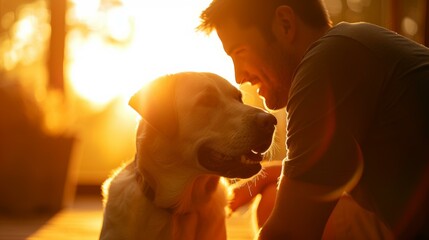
(194, 130)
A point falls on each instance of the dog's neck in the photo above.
(166, 186)
(188, 193)
(197, 193)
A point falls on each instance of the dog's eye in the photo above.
(208, 100)
(240, 98)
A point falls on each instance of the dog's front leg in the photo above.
(185, 226)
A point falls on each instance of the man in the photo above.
(357, 102)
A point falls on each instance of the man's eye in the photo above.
(238, 53)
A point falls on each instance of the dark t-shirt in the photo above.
(358, 113)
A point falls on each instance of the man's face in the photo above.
(259, 61)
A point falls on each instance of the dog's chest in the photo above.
(204, 219)
(197, 225)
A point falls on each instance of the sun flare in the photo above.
(126, 43)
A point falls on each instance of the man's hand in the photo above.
(264, 184)
(299, 213)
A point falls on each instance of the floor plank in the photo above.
(83, 221)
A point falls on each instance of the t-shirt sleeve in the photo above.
(331, 102)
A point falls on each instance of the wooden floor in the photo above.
(83, 221)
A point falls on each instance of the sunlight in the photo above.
(24, 44)
(127, 43)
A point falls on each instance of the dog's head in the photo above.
(198, 120)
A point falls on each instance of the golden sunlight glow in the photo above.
(29, 31)
(129, 42)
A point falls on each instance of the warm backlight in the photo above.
(113, 49)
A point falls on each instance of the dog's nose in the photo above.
(265, 120)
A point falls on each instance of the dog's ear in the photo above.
(156, 105)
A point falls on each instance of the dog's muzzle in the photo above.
(246, 160)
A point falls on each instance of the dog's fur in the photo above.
(194, 129)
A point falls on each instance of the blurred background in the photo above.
(68, 68)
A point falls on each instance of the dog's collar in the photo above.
(147, 190)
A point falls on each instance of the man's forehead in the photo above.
(229, 34)
(233, 35)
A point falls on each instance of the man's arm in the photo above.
(300, 211)
(245, 190)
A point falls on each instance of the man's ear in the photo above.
(157, 106)
(284, 24)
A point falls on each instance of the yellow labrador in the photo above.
(194, 129)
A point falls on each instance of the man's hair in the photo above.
(260, 13)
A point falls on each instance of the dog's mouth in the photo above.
(242, 165)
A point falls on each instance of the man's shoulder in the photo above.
(357, 30)
(340, 43)
(344, 37)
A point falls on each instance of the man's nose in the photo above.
(240, 75)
